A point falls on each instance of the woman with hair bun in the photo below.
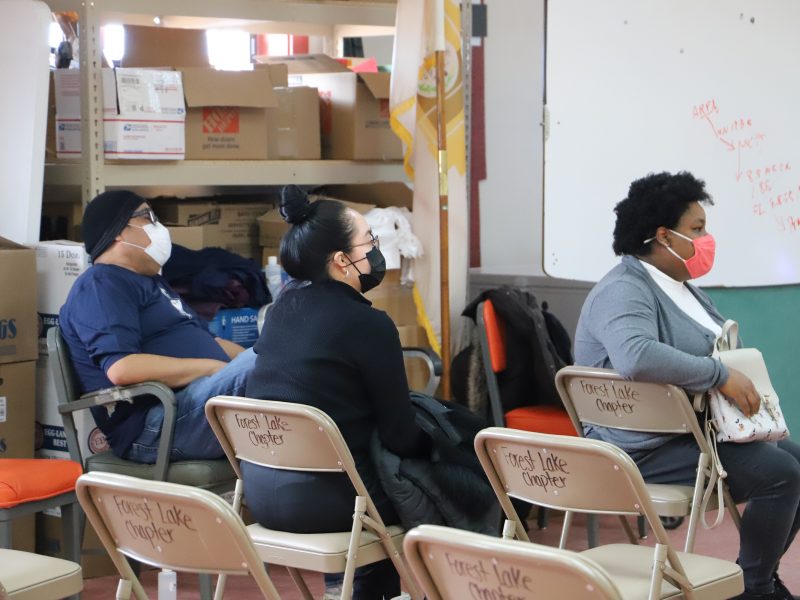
(324, 345)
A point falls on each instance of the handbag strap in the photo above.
(716, 479)
(728, 339)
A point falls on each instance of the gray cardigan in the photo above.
(630, 325)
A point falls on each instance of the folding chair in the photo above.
(451, 563)
(602, 397)
(31, 485)
(282, 435)
(543, 418)
(215, 475)
(28, 576)
(170, 526)
(584, 475)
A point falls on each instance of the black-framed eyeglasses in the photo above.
(147, 213)
(374, 241)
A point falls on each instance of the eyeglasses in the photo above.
(374, 241)
(147, 213)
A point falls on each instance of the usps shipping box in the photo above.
(143, 114)
(227, 113)
(18, 322)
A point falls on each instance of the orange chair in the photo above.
(30, 485)
(537, 418)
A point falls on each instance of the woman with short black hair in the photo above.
(323, 344)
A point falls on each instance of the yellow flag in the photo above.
(414, 119)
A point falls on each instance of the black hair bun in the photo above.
(295, 205)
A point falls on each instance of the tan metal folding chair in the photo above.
(28, 576)
(283, 435)
(451, 563)
(590, 476)
(170, 526)
(602, 397)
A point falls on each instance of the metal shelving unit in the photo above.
(93, 174)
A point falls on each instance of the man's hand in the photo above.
(741, 391)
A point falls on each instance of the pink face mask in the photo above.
(704, 248)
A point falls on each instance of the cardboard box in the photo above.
(227, 113)
(278, 73)
(267, 251)
(95, 561)
(197, 237)
(382, 194)
(58, 264)
(239, 325)
(18, 322)
(164, 47)
(17, 408)
(395, 299)
(50, 439)
(354, 108)
(230, 216)
(143, 114)
(294, 132)
(271, 225)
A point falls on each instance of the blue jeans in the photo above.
(765, 474)
(193, 438)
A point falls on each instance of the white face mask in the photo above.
(160, 246)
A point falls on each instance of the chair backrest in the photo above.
(282, 435)
(170, 526)
(493, 336)
(603, 397)
(451, 563)
(565, 473)
(61, 366)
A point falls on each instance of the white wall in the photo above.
(511, 196)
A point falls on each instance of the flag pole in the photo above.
(444, 235)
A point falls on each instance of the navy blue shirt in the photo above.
(112, 312)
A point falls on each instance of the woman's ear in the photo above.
(340, 259)
(662, 236)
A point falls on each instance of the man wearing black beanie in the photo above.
(124, 325)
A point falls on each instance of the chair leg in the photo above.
(642, 523)
(205, 586)
(5, 534)
(352, 550)
(562, 543)
(592, 527)
(300, 583)
(542, 517)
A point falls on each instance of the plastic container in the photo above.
(274, 275)
(167, 585)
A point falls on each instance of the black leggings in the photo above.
(319, 503)
(765, 474)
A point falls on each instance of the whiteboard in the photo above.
(640, 86)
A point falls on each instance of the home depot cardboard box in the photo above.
(164, 47)
(18, 322)
(354, 107)
(227, 113)
(143, 114)
(293, 126)
(58, 264)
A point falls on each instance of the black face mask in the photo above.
(377, 265)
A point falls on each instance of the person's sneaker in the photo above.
(333, 592)
(782, 591)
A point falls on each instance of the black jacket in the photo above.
(449, 488)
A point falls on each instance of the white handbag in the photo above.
(725, 422)
(729, 423)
